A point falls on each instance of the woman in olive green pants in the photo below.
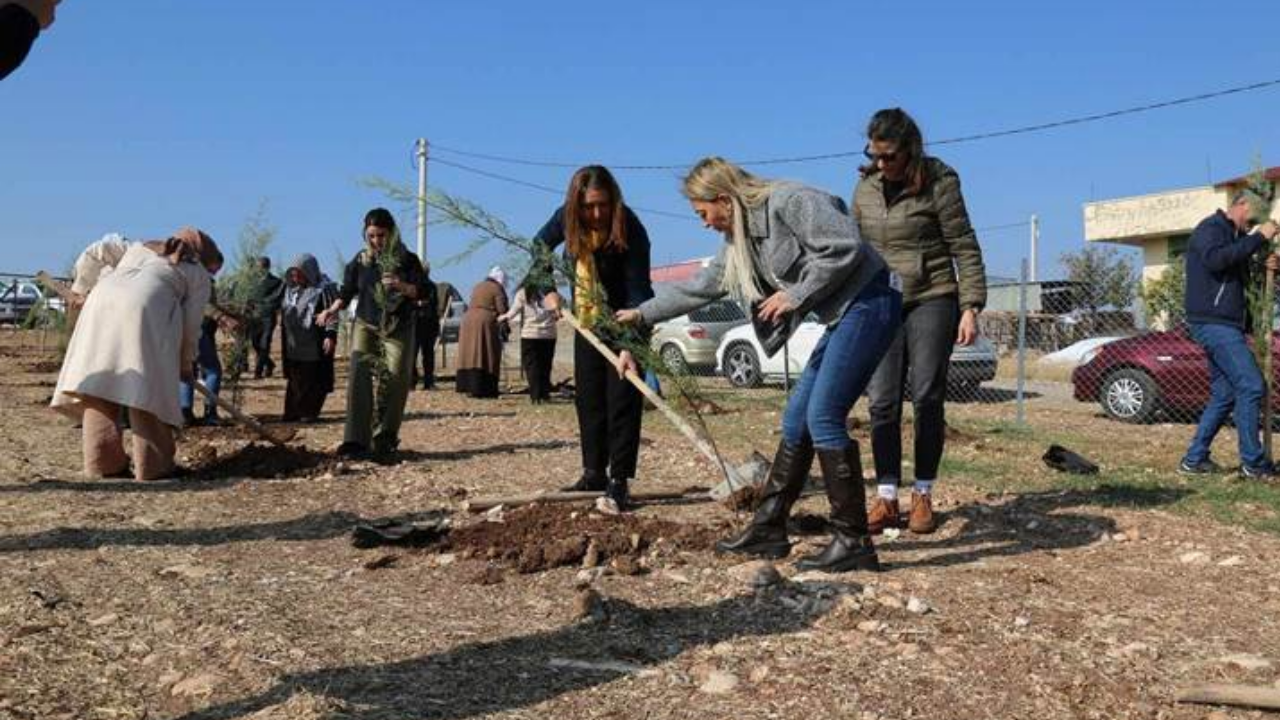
(385, 278)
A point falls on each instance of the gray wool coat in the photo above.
(808, 246)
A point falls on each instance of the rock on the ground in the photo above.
(917, 606)
(1246, 661)
(756, 574)
(195, 685)
(588, 604)
(719, 683)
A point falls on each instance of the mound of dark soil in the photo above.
(542, 537)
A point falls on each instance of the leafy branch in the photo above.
(550, 270)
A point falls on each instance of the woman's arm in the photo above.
(962, 242)
(680, 298)
(105, 253)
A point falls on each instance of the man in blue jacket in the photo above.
(1218, 269)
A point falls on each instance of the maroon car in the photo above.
(1138, 378)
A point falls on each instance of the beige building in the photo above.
(1160, 223)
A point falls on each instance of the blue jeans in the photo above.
(840, 368)
(210, 368)
(1234, 381)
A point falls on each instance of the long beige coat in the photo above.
(139, 325)
(479, 346)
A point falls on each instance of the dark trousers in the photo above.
(427, 334)
(536, 357)
(309, 383)
(609, 414)
(923, 346)
(263, 331)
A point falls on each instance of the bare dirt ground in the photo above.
(237, 593)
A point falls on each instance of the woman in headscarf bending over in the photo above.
(134, 342)
(791, 250)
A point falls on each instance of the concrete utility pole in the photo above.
(1035, 244)
(422, 199)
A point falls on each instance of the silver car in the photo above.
(689, 342)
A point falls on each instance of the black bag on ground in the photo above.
(1064, 460)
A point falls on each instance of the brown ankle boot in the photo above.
(883, 514)
(921, 520)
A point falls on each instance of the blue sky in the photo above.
(142, 115)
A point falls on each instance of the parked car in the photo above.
(743, 363)
(689, 342)
(18, 298)
(451, 323)
(1145, 376)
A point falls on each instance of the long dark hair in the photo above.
(381, 218)
(593, 177)
(896, 126)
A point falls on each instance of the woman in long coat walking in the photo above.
(480, 340)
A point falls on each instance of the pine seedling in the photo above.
(235, 295)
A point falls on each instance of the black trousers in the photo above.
(924, 346)
(536, 357)
(609, 414)
(262, 332)
(426, 336)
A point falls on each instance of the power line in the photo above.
(651, 211)
(1079, 120)
(547, 189)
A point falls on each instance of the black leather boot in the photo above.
(850, 547)
(589, 482)
(619, 492)
(767, 534)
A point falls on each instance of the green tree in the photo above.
(1108, 278)
(1165, 296)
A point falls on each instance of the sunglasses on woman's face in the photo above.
(879, 157)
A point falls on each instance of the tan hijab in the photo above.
(188, 245)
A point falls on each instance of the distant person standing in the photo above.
(537, 338)
(308, 346)
(1218, 261)
(21, 22)
(267, 296)
(428, 328)
(480, 338)
(382, 335)
(909, 207)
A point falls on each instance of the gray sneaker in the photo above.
(1265, 472)
(1204, 467)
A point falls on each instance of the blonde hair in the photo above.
(712, 178)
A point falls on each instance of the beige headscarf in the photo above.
(188, 244)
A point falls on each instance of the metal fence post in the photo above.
(1022, 343)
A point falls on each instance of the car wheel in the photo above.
(1130, 396)
(673, 358)
(742, 367)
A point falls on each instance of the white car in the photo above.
(742, 361)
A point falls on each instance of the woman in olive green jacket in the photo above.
(909, 207)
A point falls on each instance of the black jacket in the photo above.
(624, 275)
(1218, 272)
(362, 276)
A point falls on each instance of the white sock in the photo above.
(888, 492)
(924, 487)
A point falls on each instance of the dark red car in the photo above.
(1138, 378)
